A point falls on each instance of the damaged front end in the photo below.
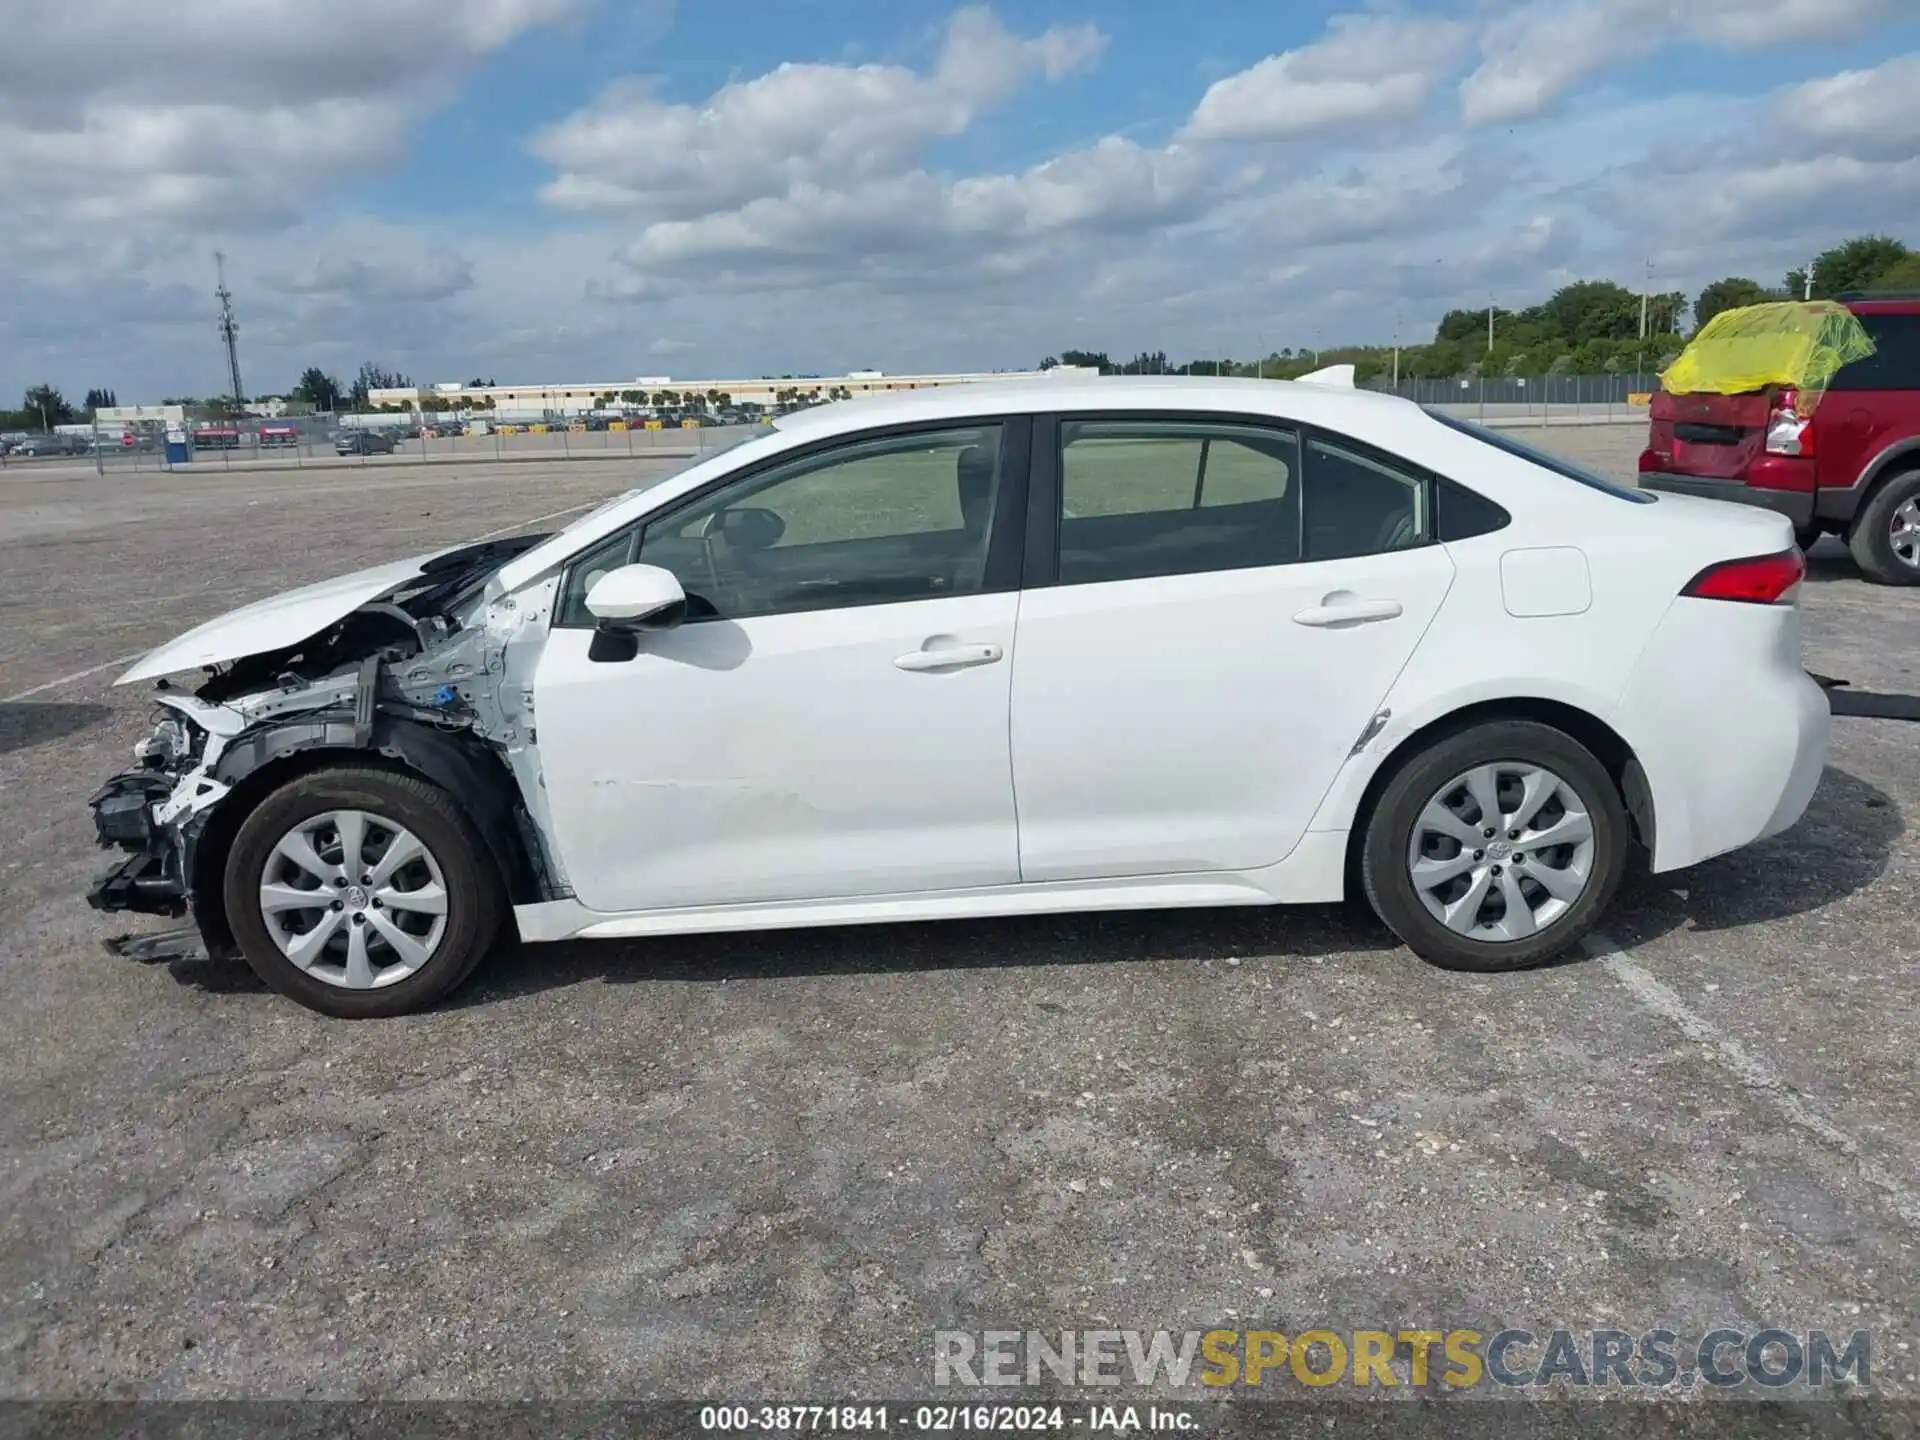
(424, 675)
(153, 881)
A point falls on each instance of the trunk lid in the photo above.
(1714, 436)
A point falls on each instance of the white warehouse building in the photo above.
(650, 391)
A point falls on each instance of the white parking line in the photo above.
(79, 675)
(1752, 1072)
(523, 524)
(34, 690)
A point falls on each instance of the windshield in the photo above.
(732, 442)
(1559, 465)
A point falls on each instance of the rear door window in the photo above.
(1142, 498)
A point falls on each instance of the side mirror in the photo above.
(636, 598)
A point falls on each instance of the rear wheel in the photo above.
(1496, 848)
(1886, 534)
(361, 892)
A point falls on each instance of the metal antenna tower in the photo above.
(229, 328)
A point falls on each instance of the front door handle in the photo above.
(1339, 613)
(954, 657)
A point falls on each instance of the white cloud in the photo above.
(1860, 112)
(385, 279)
(1367, 68)
(1536, 53)
(1756, 24)
(128, 111)
(798, 125)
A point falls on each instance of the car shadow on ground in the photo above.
(23, 724)
(1842, 845)
(1113, 937)
(1829, 559)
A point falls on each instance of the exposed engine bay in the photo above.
(426, 676)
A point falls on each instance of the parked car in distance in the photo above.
(43, 446)
(1004, 649)
(1851, 468)
(272, 436)
(364, 442)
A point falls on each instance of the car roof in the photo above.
(1883, 304)
(1307, 401)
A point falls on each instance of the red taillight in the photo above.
(1757, 580)
(1787, 432)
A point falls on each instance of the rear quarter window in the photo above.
(1579, 474)
(1895, 362)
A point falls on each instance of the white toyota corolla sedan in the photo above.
(995, 649)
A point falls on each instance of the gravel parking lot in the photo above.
(757, 1166)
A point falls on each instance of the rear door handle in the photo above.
(1348, 612)
(953, 658)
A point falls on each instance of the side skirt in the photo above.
(1313, 874)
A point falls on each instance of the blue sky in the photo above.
(570, 190)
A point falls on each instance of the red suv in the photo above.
(1851, 469)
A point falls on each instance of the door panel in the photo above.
(783, 757)
(831, 720)
(1232, 602)
(1190, 723)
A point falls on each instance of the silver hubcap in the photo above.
(1905, 533)
(1502, 851)
(354, 899)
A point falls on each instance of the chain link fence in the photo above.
(1544, 398)
(329, 441)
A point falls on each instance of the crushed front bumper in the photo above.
(153, 879)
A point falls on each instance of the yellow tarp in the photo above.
(1794, 342)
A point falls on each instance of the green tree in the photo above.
(1461, 326)
(1592, 309)
(1904, 276)
(99, 400)
(47, 404)
(318, 389)
(1733, 293)
(374, 377)
(1096, 358)
(1855, 264)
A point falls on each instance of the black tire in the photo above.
(1872, 539)
(475, 892)
(1389, 836)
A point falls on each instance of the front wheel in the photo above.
(1496, 848)
(361, 892)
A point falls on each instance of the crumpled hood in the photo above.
(280, 620)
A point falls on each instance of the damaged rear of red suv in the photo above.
(1850, 468)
